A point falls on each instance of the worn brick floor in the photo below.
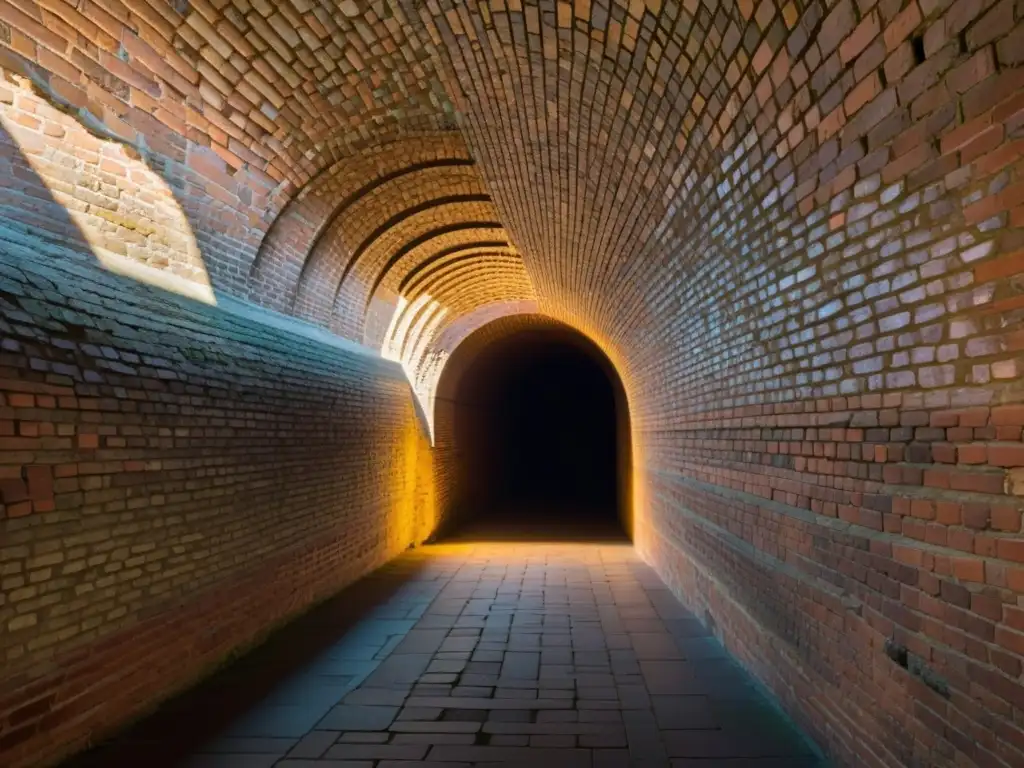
(531, 653)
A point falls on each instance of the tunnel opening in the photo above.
(535, 438)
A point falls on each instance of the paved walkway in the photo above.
(479, 654)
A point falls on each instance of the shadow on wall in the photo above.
(125, 189)
(29, 214)
(96, 198)
(146, 206)
(322, 651)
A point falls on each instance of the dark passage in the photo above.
(540, 433)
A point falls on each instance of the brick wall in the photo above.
(175, 479)
(795, 227)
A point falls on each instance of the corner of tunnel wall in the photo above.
(420, 499)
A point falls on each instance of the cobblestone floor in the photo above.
(521, 653)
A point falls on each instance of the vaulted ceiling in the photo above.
(426, 160)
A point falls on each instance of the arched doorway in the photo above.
(533, 436)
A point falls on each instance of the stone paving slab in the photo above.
(568, 655)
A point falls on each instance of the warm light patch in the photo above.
(406, 341)
(119, 209)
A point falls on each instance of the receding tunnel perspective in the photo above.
(471, 383)
(534, 424)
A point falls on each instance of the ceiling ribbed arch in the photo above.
(458, 259)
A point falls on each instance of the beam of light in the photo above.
(406, 341)
(148, 209)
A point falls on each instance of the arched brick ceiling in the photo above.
(787, 223)
(472, 344)
(671, 119)
(420, 276)
(274, 273)
(635, 108)
(305, 83)
(355, 246)
(595, 132)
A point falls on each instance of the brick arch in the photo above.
(467, 240)
(465, 297)
(472, 285)
(423, 257)
(423, 269)
(456, 223)
(488, 276)
(443, 401)
(470, 256)
(308, 215)
(430, 206)
(471, 340)
(460, 260)
(345, 255)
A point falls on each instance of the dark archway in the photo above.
(533, 435)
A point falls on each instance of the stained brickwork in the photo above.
(795, 226)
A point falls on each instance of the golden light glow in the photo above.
(414, 514)
(409, 334)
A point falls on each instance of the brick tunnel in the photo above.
(533, 436)
(295, 297)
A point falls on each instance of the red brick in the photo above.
(21, 509)
(973, 71)
(1006, 518)
(989, 607)
(1006, 455)
(865, 91)
(969, 569)
(983, 143)
(1011, 549)
(13, 490)
(900, 28)
(965, 134)
(40, 482)
(1008, 415)
(1004, 265)
(972, 454)
(862, 36)
(1012, 641)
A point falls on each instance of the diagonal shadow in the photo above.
(28, 211)
(297, 659)
(37, 142)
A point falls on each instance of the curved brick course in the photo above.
(795, 227)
